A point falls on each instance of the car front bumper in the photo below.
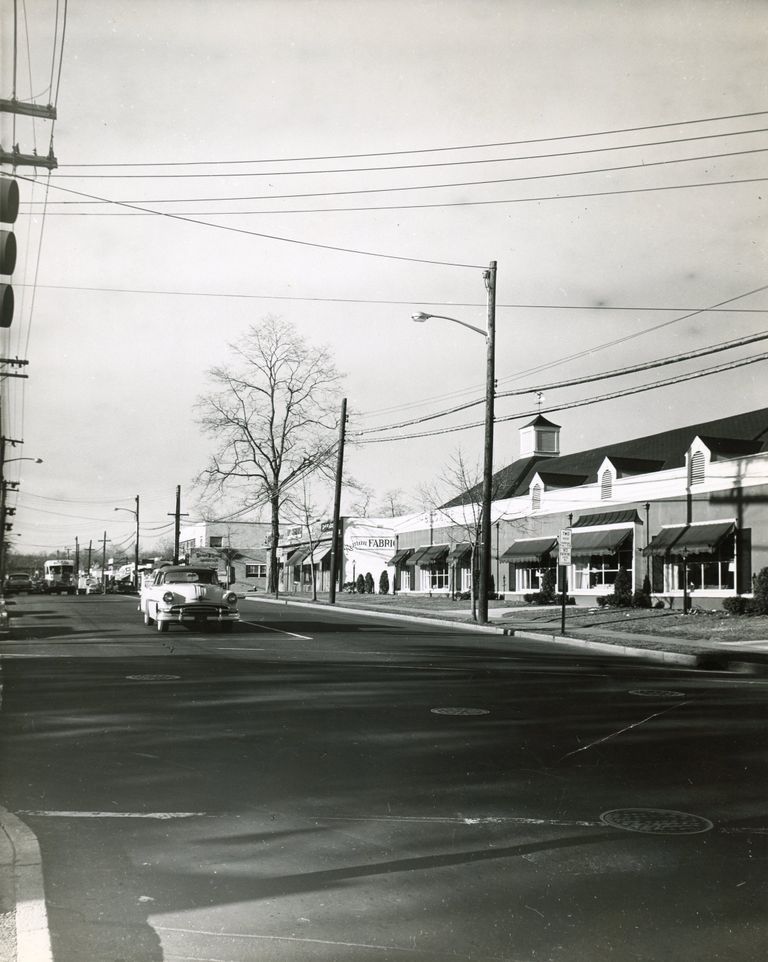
(195, 614)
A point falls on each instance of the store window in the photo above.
(216, 541)
(712, 571)
(435, 578)
(528, 577)
(599, 571)
(256, 571)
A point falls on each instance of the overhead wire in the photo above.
(587, 379)
(550, 409)
(431, 165)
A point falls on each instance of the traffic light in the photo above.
(9, 211)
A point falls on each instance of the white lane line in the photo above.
(291, 634)
(241, 649)
(33, 940)
(462, 820)
(627, 728)
(157, 815)
(278, 938)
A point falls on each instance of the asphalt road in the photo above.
(334, 787)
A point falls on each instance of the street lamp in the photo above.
(490, 389)
(136, 549)
(36, 460)
(4, 510)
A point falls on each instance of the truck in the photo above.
(59, 577)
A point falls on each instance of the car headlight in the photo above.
(168, 597)
(231, 598)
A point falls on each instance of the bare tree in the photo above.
(392, 504)
(361, 506)
(273, 413)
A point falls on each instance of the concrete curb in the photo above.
(20, 854)
(714, 660)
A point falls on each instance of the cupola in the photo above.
(540, 438)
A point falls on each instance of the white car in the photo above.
(187, 595)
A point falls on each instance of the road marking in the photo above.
(280, 938)
(157, 815)
(241, 649)
(462, 820)
(291, 634)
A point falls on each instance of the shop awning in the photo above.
(434, 554)
(459, 551)
(320, 552)
(528, 549)
(399, 557)
(414, 559)
(663, 541)
(587, 544)
(694, 538)
(298, 556)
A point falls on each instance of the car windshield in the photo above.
(203, 576)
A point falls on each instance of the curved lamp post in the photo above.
(3, 509)
(490, 389)
(136, 550)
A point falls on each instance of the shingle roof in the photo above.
(738, 434)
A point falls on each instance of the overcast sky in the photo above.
(130, 310)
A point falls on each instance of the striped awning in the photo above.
(460, 551)
(434, 554)
(415, 558)
(528, 549)
(320, 552)
(590, 544)
(298, 556)
(399, 557)
(691, 538)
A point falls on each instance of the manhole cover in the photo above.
(656, 821)
(153, 677)
(459, 711)
(657, 693)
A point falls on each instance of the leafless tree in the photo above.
(361, 506)
(392, 504)
(273, 414)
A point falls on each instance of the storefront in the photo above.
(701, 555)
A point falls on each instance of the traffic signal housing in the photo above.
(9, 211)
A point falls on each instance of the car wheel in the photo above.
(226, 626)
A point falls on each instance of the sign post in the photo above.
(564, 559)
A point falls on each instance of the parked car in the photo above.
(187, 595)
(92, 586)
(18, 581)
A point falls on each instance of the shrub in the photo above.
(384, 583)
(602, 600)
(569, 600)
(659, 604)
(529, 598)
(646, 589)
(368, 583)
(739, 606)
(622, 589)
(548, 586)
(641, 600)
(360, 585)
(760, 591)
(349, 586)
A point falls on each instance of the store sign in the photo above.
(326, 526)
(291, 534)
(372, 544)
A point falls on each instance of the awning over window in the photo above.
(694, 538)
(608, 517)
(414, 559)
(399, 557)
(298, 556)
(320, 552)
(459, 551)
(530, 549)
(587, 544)
(434, 554)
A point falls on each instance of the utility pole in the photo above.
(336, 536)
(77, 558)
(177, 516)
(104, 563)
(90, 549)
(490, 392)
(136, 552)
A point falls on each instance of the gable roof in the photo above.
(738, 434)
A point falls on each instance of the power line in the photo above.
(448, 163)
(408, 303)
(407, 187)
(275, 237)
(587, 379)
(574, 404)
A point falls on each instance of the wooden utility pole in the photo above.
(177, 516)
(490, 392)
(104, 563)
(336, 534)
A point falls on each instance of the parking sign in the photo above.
(564, 547)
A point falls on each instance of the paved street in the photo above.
(328, 786)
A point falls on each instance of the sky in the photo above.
(582, 145)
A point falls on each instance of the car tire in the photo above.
(226, 626)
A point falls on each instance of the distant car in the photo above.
(92, 587)
(187, 595)
(17, 582)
